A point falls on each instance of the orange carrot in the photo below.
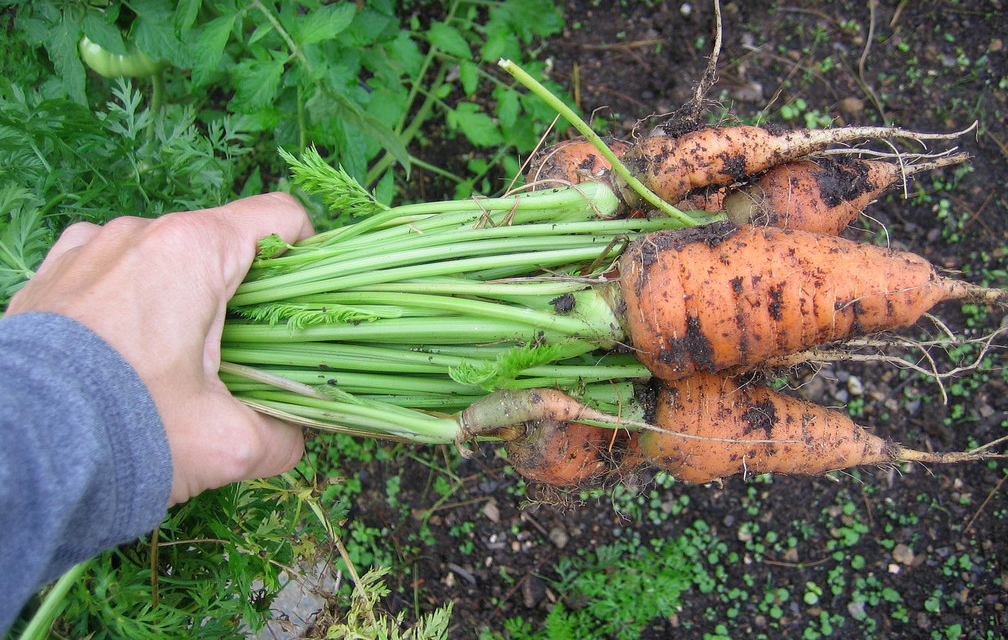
(824, 195)
(672, 167)
(722, 296)
(571, 162)
(562, 454)
(718, 427)
(710, 200)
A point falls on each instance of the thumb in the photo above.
(248, 220)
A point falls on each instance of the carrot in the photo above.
(710, 200)
(577, 160)
(572, 162)
(672, 167)
(824, 195)
(722, 296)
(562, 454)
(716, 426)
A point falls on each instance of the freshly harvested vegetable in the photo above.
(712, 426)
(534, 318)
(672, 167)
(450, 313)
(562, 454)
(823, 195)
(710, 200)
(722, 296)
(572, 162)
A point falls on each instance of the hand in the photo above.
(156, 290)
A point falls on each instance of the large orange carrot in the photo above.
(673, 166)
(722, 296)
(718, 427)
(824, 195)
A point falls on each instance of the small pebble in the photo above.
(903, 554)
(559, 537)
(491, 511)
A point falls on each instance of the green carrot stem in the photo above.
(426, 401)
(53, 604)
(420, 247)
(573, 324)
(406, 331)
(422, 250)
(376, 244)
(356, 382)
(556, 205)
(335, 421)
(375, 417)
(298, 284)
(322, 358)
(547, 286)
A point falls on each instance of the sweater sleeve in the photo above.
(84, 459)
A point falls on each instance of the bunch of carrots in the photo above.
(591, 332)
(703, 305)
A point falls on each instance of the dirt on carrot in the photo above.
(561, 454)
(571, 162)
(717, 426)
(673, 167)
(823, 195)
(723, 296)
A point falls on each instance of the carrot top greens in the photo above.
(369, 327)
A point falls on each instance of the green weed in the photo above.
(363, 82)
(617, 590)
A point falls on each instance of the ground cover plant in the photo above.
(574, 586)
(107, 109)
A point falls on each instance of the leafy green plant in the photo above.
(61, 163)
(227, 84)
(617, 590)
(354, 80)
(365, 620)
(214, 564)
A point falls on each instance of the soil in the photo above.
(924, 65)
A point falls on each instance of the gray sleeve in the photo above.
(84, 459)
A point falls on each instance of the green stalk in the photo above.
(426, 248)
(326, 356)
(602, 320)
(337, 416)
(405, 331)
(390, 381)
(432, 306)
(53, 604)
(312, 281)
(421, 235)
(356, 382)
(528, 287)
(554, 205)
(482, 418)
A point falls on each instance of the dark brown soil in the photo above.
(925, 65)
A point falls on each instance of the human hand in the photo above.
(157, 290)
